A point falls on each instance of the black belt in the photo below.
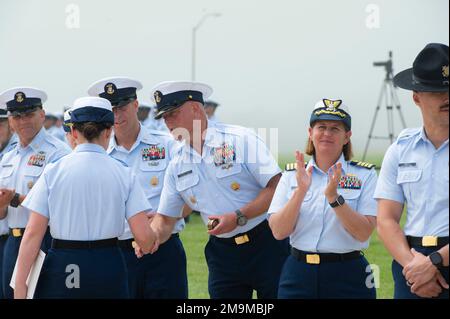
(3, 237)
(427, 241)
(75, 244)
(16, 232)
(129, 243)
(317, 258)
(245, 237)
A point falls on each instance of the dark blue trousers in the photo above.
(10, 255)
(162, 275)
(83, 274)
(402, 291)
(235, 271)
(328, 280)
(2, 246)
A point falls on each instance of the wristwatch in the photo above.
(241, 218)
(436, 259)
(338, 202)
(15, 201)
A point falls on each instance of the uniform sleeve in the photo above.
(37, 199)
(367, 205)
(171, 202)
(387, 187)
(137, 201)
(280, 197)
(258, 160)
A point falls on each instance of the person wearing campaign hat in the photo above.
(8, 141)
(210, 109)
(147, 152)
(86, 214)
(415, 174)
(326, 208)
(21, 167)
(227, 174)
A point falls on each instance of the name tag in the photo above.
(407, 165)
(185, 174)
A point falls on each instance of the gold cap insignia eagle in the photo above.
(331, 104)
(157, 96)
(445, 71)
(109, 88)
(20, 97)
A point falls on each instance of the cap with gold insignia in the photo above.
(331, 110)
(91, 109)
(118, 90)
(171, 95)
(67, 123)
(22, 100)
(429, 72)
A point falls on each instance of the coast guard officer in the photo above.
(147, 152)
(328, 211)
(8, 141)
(86, 213)
(415, 171)
(227, 174)
(22, 166)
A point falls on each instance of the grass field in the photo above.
(195, 237)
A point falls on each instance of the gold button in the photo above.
(235, 186)
(193, 200)
(154, 181)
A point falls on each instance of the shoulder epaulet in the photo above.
(362, 164)
(293, 166)
(231, 129)
(407, 133)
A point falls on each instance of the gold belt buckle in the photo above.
(134, 244)
(242, 239)
(17, 232)
(313, 259)
(429, 241)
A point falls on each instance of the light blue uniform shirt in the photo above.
(318, 228)
(87, 195)
(233, 169)
(149, 171)
(11, 144)
(22, 166)
(416, 172)
(57, 132)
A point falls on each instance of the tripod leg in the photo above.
(380, 98)
(397, 105)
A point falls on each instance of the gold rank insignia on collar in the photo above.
(362, 164)
(293, 166)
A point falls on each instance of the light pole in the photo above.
(194, 38)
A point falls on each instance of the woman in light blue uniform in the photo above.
(327, 209)
(85, 198)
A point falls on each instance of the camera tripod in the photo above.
(388, 95)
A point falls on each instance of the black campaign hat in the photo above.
(429, 72)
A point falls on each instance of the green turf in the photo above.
(195, 237)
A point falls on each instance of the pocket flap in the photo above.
(233, 170)
(188, 181)
(409, 176)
